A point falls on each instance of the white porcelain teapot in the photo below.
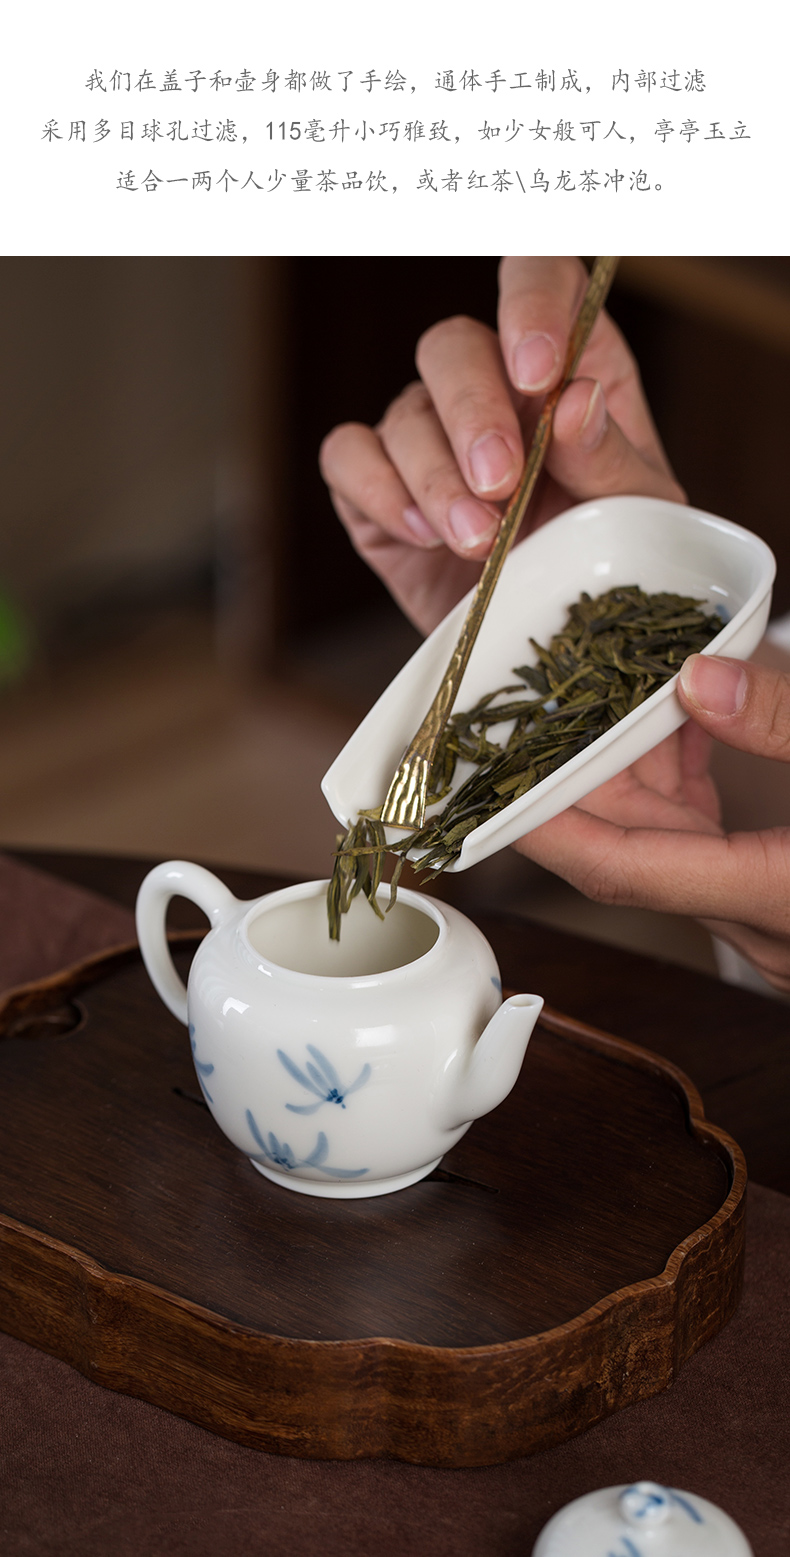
(340, 1069)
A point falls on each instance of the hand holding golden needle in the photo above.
(406, 797)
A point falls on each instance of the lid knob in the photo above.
(644, 1505)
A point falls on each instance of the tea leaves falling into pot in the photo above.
(613, 652)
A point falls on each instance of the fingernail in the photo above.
(490, 461)
(422, 531)
(470, 523)
(716, 686)
(595, 419)
(534, 361)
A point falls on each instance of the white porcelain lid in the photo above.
(641, 1520)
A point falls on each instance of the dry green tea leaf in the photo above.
(612, 653)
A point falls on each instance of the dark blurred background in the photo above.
(186, 636)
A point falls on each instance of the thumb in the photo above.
(744, 705)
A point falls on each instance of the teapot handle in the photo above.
(176, 878)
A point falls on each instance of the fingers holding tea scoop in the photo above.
(621, 846)
(744, 705)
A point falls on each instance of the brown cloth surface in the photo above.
(85, 1472)
(46, 924)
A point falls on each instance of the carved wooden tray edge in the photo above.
(243, 1387)
(644, 1059)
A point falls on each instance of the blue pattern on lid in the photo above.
(649, 1500)
(687, 1507)
(663, 1495)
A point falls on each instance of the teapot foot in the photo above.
(337, 1190)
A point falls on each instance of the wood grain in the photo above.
(570, 1254)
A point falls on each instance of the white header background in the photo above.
(716, 197)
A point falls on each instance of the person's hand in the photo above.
(651, 838)
(421, 494)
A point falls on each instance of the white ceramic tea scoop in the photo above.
(642, 1520)
(614, 541)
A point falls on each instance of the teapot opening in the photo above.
(294, 935)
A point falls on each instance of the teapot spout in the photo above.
(496, 1061)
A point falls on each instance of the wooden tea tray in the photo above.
(571, 1252)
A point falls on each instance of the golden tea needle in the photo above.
(406, 797)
